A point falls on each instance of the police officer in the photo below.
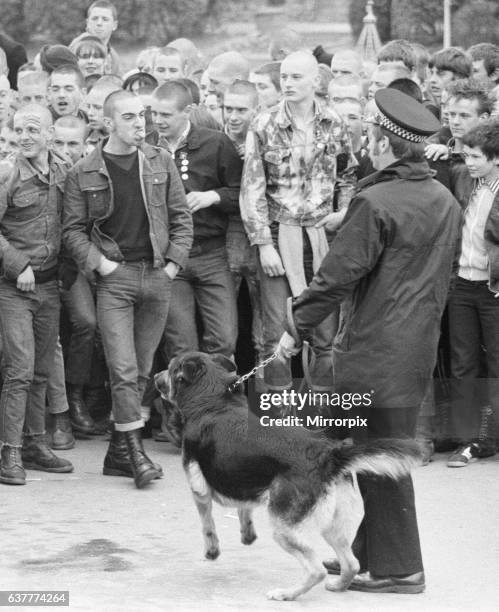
(390, 267)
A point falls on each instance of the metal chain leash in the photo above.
(244, 377)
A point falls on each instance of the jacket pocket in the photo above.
(25, 205)
(97, 200)
(158, 188)
(277, 163)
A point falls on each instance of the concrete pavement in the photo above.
(117, 548)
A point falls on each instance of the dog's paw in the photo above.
(248, 536)
(336, 584)
(281, 594)
(212, 553)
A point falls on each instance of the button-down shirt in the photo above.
(473, 262)
(289, 177)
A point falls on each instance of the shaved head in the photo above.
(113, 98)
(303, 60)
(39, 113)
(226, 68)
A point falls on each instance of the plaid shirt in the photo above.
(293, 182)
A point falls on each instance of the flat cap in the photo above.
(404, 116)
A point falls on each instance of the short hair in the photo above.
(68, 69)
(169, 52)
(90, 81)
(471, 89)
(409, 87)
(200, 116)
(273, 70)
(88, 42)
(114, 97)
(243, 88)
(27, 67)
(193, 87)
(71, 122)
(453, 59)
(111, 80)
(231, 63)
(37, 109)
(422, 60)
(399, 50)
(285, 42)
(146, 82)
(487, 52)
(38, 77)
(105, 4)
(176, 91)
(54, 56)
(145, 56)
(485, 137)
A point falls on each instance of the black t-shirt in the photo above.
(128, 224)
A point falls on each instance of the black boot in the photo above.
(62, 435)
(142, 467)
(117, 460)
(12, 471)
(81, 421)
(38, 456)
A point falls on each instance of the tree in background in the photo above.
(476, 22)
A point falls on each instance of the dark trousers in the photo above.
(132, 306)
(474, 334)
(203, 292)
(79, 304)
(387, 542)
(29, 325)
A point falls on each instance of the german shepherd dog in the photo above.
(306, 482)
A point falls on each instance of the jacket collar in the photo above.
(27, 170)
(94, 162)
(401, 169)
(321, 113)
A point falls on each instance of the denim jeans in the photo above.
(132, 306)
(56, 386)
(204, 288)
(242, 264)
(79, 303)
(275, 292)
(29, 323)
(473, 324)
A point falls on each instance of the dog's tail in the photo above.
(392, 458)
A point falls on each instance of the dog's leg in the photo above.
(341, 532)
(204, 505)
(248, 534)
(294, 544)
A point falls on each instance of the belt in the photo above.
(207, 245)
(44, 276)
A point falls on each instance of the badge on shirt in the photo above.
(184, 166)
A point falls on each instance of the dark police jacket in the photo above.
(390, 266)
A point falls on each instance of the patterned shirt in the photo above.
(290, 178)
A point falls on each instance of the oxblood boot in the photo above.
(117, 460)
(12, 471)
(81, 421)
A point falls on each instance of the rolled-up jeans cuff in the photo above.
(129, 426)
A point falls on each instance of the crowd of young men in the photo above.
(133, 206)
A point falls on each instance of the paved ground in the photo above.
(117, 548)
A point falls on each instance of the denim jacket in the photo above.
(282, 185)
(30, 216)
(89, 200)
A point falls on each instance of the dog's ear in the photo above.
(224, 362)
(190, 369)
